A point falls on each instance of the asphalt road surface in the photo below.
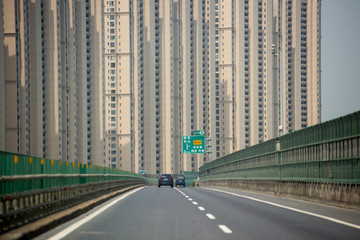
(201, 213)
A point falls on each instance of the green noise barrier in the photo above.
(20, 173)
(327, 152)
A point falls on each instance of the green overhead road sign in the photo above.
(193, 144)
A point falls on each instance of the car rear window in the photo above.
(166, 176)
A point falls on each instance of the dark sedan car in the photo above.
(165, 179)
(180, 180)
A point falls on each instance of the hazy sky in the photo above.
(340, 58)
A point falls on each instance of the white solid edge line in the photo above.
(225, 229)
(292, 209)
(210, 216)
(71, 228)
(201, 208)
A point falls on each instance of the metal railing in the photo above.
(19, 173)
(32, 187)
(327, 152)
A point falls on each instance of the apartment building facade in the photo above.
(120, 82)
(300, 54)
(221, 66)
(52, 79)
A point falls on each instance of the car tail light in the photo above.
(171, 179)
(161, 178)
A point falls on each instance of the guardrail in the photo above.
(32, 187)
(328, 152)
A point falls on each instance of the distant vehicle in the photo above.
(143, 173)
(166, 179)
(180, 180)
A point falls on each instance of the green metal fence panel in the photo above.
(327, 152)
(19, 173)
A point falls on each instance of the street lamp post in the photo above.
(277, 76)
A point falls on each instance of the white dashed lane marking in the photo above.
(225, 229)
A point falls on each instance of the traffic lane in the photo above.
(255, 220)
(150, 213)
(343, 214)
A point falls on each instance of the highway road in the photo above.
(201, 213)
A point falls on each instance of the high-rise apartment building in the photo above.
(120, 82)
(269, 79)
(161, 83)
(51, 79)
(300, 55)
(246, 74)
(244, 71)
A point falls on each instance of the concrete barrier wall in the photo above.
(345, 195)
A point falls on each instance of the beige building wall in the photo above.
(300, 53)
(167, 86)
(314, 63)
(177, 73)
(253, 102)
(47, 80)
(162, 115)
(97, 84)
(2, 80)
(149, 88)
(35, 79)
(82, 92)
(198, 76)
(246, 81)
(226, 61)
(187, 80)
(119, 84)
(52, 83)
(10, 78)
